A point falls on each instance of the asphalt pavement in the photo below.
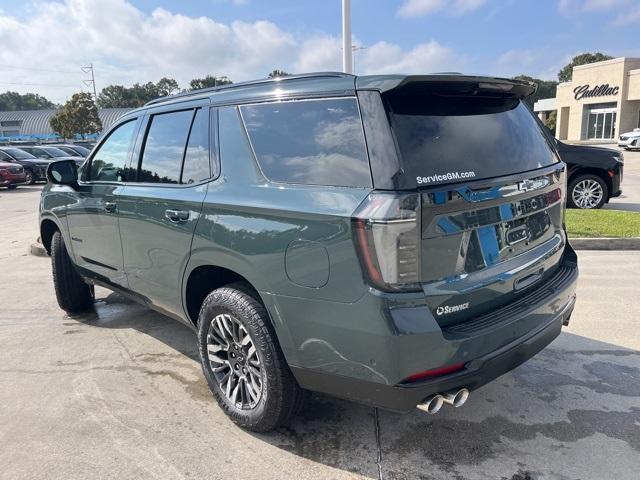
(119, 393)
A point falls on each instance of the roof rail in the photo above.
(230, 86)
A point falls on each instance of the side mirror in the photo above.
(63, 172)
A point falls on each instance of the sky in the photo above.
(44, 43)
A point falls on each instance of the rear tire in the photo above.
(72, 293)
(12, 187)
(242, 362)
(588, 192)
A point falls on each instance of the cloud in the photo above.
(569, 6)
(44, 51)
(419, 8)
(127, 46)
(628, 17)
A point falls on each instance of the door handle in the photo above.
(110, 206)
(177, 216)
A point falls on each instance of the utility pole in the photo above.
(347, 52)
(90, 82)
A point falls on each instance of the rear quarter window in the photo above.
(313, 142)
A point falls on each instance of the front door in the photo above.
(93, 218)
(159, 212)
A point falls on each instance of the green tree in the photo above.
(551, 121)
(208, 82)
(278, 73)
(564, 75)
(546, 89)
(78, 116)
(119, 96)
(28, 101)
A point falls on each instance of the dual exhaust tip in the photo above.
(433, 403)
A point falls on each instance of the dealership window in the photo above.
(11, 123)
(601, 120)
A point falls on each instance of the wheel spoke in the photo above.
(234, 361)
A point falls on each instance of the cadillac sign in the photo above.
(604, 90)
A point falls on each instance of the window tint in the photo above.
(196, 161)
(4, 156)
(316, 142)
(451, 139)
(164, 147)
(110, 161)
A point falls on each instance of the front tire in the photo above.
(587, 192)
(242, 362)
(30, 178)
(72, 293)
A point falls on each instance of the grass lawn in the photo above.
(602, 223)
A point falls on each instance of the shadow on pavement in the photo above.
(573, 410)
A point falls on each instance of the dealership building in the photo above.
(600, 102)
(28, 124)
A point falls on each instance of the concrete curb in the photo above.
(38, 249)
(631, 243)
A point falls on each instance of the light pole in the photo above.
(347, 62)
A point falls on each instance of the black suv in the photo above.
(51, 153)
(34, 168)
(595, 174)
(395, 240)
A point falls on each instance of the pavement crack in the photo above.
(376, 424)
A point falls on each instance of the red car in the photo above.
(11, 175)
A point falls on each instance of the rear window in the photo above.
(453, 139)
(314, 142)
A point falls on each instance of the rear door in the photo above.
(159, 211)
(491, 195)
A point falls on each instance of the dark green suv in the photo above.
(394, 240)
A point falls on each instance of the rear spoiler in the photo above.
(446, 83)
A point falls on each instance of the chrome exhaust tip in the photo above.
(456, 398)
(431, 404)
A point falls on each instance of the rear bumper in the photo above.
(477, 373)
(371, 367)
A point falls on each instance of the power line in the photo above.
(16, 67)
(30, 84)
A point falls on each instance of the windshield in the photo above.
(19, 154)
(55, 152)
(446, 139)
(82, 150)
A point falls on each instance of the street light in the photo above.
(347, 61)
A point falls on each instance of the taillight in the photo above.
(387, 238)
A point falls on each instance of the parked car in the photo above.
(51, 153)
(11, 175)
(72, 150)
(595, 174)
(34, 168)
(630, 140)
(402, 271)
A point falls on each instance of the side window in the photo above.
(109, 164)
(315, 142)
(196, 160)
(164, 147)
(4, 156)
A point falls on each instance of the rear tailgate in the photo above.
(491, 187)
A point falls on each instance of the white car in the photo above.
(630, 140)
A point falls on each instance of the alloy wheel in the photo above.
(587, 194)
(234, 361)
(28, 177)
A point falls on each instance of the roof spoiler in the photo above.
(446, 84)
